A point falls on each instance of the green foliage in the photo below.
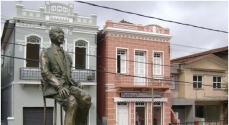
(226, 88)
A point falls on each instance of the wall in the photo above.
(7, 69)
(114, 42)
(21, 39)
(29, 96)
(182, 88)
(207, 92)
(101, 52)
(7, 75)
(175, 91)
(132, 44)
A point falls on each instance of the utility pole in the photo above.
(152, 96)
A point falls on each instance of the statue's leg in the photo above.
(70, 105)
(84, 104)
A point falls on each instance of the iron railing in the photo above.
(125, 80)
(83, 75)
(210, 122)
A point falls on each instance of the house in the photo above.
(130, 58)
(22, 40)
(201, 96)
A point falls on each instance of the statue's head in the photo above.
(56, 35)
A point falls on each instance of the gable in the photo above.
(209, 63)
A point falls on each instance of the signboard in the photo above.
(139, 95)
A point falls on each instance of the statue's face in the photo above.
(58, 36)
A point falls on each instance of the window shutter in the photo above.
(157, 68)
(123, 64)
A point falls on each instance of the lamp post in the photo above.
(152, 95)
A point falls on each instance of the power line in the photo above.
(152, 17)
(115, 73)
(131, 43)
(94, 55)
(189, 46)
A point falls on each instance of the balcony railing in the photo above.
(125, 81)
(83, 75)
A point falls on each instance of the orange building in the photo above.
(129, 57)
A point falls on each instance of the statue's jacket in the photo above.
(55, 71)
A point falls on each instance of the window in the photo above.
(140, 103)
(122, 103)
(121, 63)
(140, 113)
(216, 82)
(32, 51)
(208, 112)
(80, 54)
(197, 81)
(199, 111)
(157, 62)
(140, 67)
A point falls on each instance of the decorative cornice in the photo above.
(53, 22)
(140, 37)
(84, 30)
(125, 27)
(48, 27)
(30, 25)
(133, 32)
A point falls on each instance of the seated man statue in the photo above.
(55, 65)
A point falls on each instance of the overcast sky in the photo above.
(206, 14)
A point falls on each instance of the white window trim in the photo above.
(197, 84)
(162, 69)
(127, 58)
(25, 47)
(146, 60)
(87, 52)
(217, 82)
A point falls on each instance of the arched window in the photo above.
(80, 54)
(32, 51)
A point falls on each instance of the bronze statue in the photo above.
(55, 66)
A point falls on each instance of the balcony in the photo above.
(125, 81)
(83, 75)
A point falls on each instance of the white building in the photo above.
(23, 38)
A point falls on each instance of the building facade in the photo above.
(23, 38)
(129, 57)
(202, 96)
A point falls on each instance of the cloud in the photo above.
(210, 14)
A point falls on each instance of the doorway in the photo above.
(122, 113)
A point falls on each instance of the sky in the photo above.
(185, 40)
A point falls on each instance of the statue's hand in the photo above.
(63, 92)
(80, 86)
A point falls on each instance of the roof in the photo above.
(199, 56)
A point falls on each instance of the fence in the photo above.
(83, 75)
(217, 122)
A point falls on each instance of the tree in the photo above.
(225, 87)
